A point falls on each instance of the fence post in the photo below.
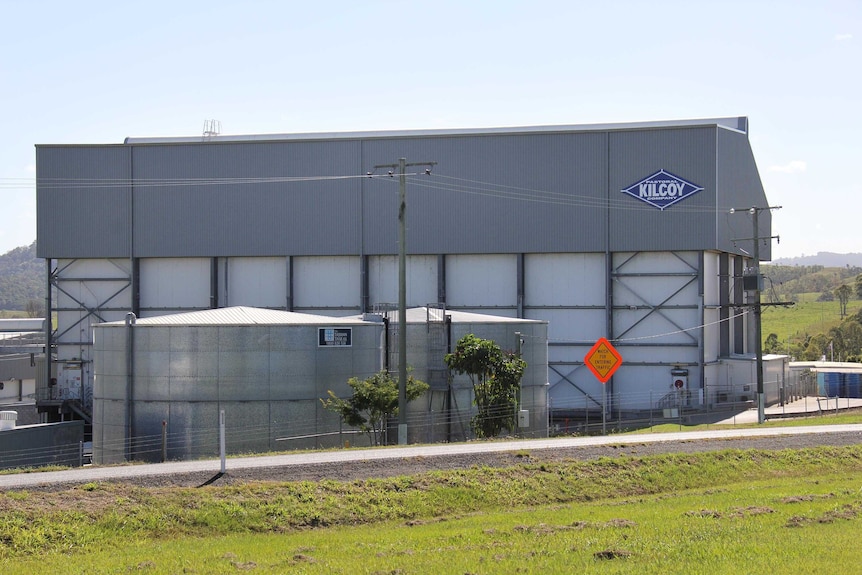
(650, 409)
(586, 414)
(164, 441)
(221, 440)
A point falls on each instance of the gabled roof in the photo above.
(735, 123)
(424, 314)
(241, 315)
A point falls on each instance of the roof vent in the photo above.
(212, 128)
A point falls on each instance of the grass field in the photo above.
(11, 314)
(843, 418)
(807, 316)
(791, 511)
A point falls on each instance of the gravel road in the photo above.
(348, 465)
(413, 465)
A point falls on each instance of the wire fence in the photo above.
(67, 455)
(113, 443)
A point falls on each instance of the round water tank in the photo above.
(7, 419)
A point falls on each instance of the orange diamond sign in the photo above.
(603, 360)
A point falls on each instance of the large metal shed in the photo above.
(620, 231)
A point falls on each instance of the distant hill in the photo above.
(22, 279)
(825, 259)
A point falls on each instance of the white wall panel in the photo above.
(175, 283)
(568, 353)
(477, 281)
(642, 387)
(565, 395)
(711, 281)
(735, 286)
(421, 280)
(665, 290)
(651, 262)
(711, 301)
(101, 285)
(94, 268)
(665, 326)
(711, 335)
(657, 354)
(93, 294)
(257, 282)
(564, 279)
(571, 325)
(328, 281)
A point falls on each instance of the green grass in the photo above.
(808, 316)
(42, 469)
(12, 314)
(830, 418)
(789, 511)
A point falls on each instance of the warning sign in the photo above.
(603, 360)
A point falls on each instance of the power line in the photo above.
(625, 339)
(502, 191)
(439, 182)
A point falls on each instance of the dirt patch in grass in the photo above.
(847, 512)
(608, 554)
(736, 513)
(93, 502)
(805, 498)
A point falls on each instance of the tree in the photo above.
(859, 286)
(373, 402)
(816, 347)
(837, 347)
(771, 344)
(35, 308)
(495, 376)
(852, 332)
(843, 293)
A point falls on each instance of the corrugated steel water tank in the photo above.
(160, 382)
(444, 414)
(829, 383)
(8, 419)
(853, 385)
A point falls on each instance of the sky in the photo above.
(95, 72)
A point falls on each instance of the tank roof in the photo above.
(240, 315)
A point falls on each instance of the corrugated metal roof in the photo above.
(22, 324)
(826, 366)
(241, 315)
(421, 315)
(739, 124)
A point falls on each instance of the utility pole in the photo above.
(758, 333)
(402, 288)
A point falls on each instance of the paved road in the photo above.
(87, 474)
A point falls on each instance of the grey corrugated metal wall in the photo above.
(689, 154)
(186, 205)
(739, 182)
(82, 201)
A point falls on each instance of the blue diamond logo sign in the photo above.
(662, 189)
